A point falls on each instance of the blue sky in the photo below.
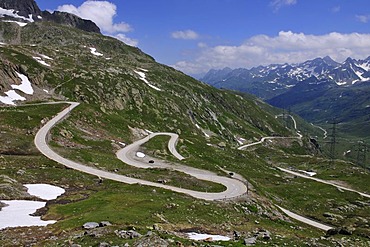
(197, 35)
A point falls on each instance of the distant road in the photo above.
(234, 187)
(305, 220)
(323, 181)
(263, 139)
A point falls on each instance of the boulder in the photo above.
(90, 225)
(345, 231)
(332, 231)
(222, 145)
(105, 223)
(131, 234)
(250, 241)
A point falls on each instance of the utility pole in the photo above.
(362, 149)
(332, 142)
(285, 118)
(289, 116)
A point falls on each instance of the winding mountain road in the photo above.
(234, 187)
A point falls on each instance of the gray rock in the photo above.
(105, 223)
(237, 235)
(134, 234)
(104, 244)
(131, 234)
(90, 225)
(250, 241)
(150, 241)
(222, 145)
(264, 234)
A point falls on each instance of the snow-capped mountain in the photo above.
(23, 12)
(270, 81)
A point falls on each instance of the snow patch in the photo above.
(94, 52)
(14, 13)
(10, 97)
(39, 59)
(240, 140)
(359, 74)
(143, 78)
(21, 24)
(205, 134)
(341, 83)
(25, 86)
(44, 191)
(347, 152)
(17, 213)
(199, 237)
(364, 66)
(46, 57)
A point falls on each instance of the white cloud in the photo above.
(102, 13)
(286, 47)
(277, 4)
(187, 34)
(363, 18)
(126, 40)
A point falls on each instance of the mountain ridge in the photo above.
(23, 12)
(269, 81)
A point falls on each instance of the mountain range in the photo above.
(267, 82)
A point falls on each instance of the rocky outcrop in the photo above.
(29, 9)
(10, 189)
(8, 75)
(71, 20)
(24, 7)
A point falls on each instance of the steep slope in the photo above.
(117, 78)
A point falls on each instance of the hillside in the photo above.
(124, 95)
